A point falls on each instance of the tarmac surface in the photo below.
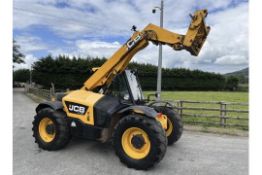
(194, 154)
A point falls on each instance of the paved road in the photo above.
(194, 154)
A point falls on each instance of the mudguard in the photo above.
(56, 105)
(147, 112)
(144, 110)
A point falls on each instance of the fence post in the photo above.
(178, 107)
(52, 92)
(222, 114)
(225, 114)
(181, 109)
(26, 88)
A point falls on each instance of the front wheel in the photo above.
(139, 142)
(50, 129)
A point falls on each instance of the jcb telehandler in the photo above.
(110, 106)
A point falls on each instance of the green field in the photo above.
(204, 96)
(210, 96)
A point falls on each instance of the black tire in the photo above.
(62, 133)
(176, 121)
(156, 135)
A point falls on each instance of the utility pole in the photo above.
(159, 70)
(30, 78)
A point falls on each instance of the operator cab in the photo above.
(127, 88)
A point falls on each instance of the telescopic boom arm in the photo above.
(192, 42)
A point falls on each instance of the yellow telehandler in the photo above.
(111, 107)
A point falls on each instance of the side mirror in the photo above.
(126, 97)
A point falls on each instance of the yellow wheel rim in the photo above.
(170, 127)
(135, 151)
(46, 135)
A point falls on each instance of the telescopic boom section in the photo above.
(192, 42)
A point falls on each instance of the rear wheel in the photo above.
(174, 124)
(139, 142)
(50, 129)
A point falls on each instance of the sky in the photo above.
(97, 28)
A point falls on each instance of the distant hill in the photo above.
(241, 74)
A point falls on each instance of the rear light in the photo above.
(159, 115)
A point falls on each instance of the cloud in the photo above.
(227, 43)
(95, 48)
(71, 22)
(29, 60)
(30, 43)
(231, 60)
(100, 17)
(226, 48)
(214, 5)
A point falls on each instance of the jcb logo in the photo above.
(131, 43)
(77, 109)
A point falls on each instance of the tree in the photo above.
(232, 83)
(21, 75)
(18, 57)
(72, 73)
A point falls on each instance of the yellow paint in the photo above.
(86, 98)
(196, 33)
(128, 147)
(192, 42)
(95, 69)
(162, 119)
(169, 128)
(42, 130)
(163, 35)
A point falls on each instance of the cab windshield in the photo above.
(134, 85)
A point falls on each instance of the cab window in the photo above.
(118, 88)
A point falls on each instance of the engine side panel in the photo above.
(105, 108)
(79, 104)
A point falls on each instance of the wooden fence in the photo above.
(214, 113)
(43, 93)
(206, 113)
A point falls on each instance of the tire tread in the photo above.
(157, 132)
(63, 137)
